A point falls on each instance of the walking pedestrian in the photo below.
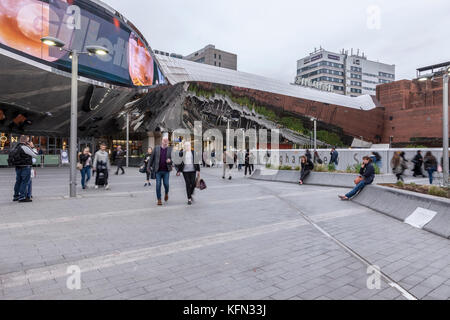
(398, 165)
(306, 167)
(85, 159)
(247, 163)
(101, 167)
(334, 156)
(430, 164)
(317, 158)
(228, 164)
(442, 163)
(376, 159)
(148, 169)
(213, 158)
(161, 164)
(190, 170)
(204, 159)
(120, 157)
(366, 177)
(241, 160)
(418, 163)
(308, 155)
(21, 157)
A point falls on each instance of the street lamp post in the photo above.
(74, 125)
(445, 162)
(128, 139)
(74, 54)
(315, 133)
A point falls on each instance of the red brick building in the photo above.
(413, 111)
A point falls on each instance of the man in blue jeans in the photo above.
(22, 158)
(367, 173)
(161, 163)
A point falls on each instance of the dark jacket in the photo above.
(334, 157)
(147, 160)
(418, 160)
(308, 156)
(180, 167)
(368, 173)
(308, 166)
(25, 155)
(153, 164)
(120, 156)
(430, 162)
(247, 158)
(84, 158)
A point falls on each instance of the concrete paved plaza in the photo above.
(242, 239)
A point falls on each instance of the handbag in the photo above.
(358, 180)
(200, 184)
(79, 166)
(143, 169)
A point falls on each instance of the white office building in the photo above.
(350, 74)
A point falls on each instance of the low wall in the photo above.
(396, 203)
(350, 157)
(401, 204)
(316, 178)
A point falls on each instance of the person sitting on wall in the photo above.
(307, 167)
(366, 177)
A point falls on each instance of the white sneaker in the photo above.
(107, 187)
(96, 187)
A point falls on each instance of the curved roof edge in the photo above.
(180, 70)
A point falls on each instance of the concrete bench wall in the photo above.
(399, 204)
(316, 178)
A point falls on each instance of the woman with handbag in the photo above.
(145, 167)
(366, 177)
(84, 165)
(190, 170)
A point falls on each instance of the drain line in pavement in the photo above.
(405, 293)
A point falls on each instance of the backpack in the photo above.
(14, 156)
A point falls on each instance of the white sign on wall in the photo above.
(420, 217)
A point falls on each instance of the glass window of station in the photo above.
(48, 144)
(136, 149)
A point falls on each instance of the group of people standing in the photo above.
(21, 157)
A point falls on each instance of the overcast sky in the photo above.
(269, 36)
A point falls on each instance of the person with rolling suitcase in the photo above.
(101, 167)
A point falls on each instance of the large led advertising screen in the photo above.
(78, 23)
